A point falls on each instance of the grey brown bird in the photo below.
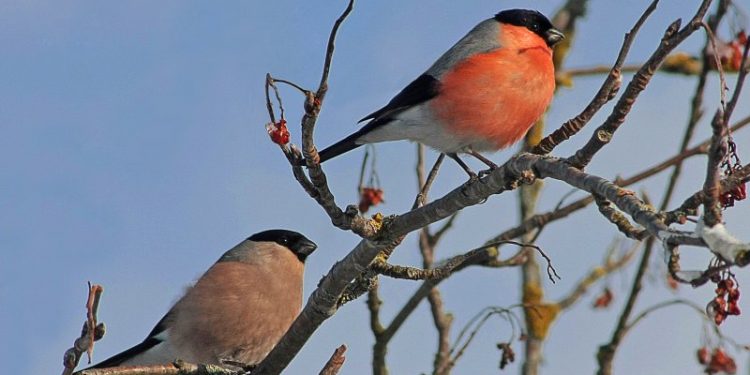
(237, 311)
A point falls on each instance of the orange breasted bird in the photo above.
(483, 94)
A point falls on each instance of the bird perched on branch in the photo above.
(236, 312)
(483, 94)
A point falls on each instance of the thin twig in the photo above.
(422, 196)
(434, 238)
(323, 87)
(664, 304)
(269, 104)
(334, 364)
(722, 77)
(445, 269)
(292, 84)
(92, 331)
(360, 184)
(477, 323)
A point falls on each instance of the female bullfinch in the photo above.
(237, 311)
(483, 94)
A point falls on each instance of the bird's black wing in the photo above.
(422, 89)
(150, 341)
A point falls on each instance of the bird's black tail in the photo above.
(118, 359)
(150, 342)
(345, 145)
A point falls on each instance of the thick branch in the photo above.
(324, 301)
(178, 368)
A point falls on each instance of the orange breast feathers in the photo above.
(492, 99)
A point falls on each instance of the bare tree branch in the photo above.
(607, 92)
(604, 133)
(177, 368)
(606, 353)
(618, 219)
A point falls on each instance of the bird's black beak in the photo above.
(553, 36)
(306, 247)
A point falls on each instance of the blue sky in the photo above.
(133, 154)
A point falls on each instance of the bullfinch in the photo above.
(483, 94)
(236, 312)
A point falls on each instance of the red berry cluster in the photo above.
(369, 197)
(730, 165)
(736, 45)
(726, 301)
(717, 361)
(729, 53)
(278, 132)
(737, 194)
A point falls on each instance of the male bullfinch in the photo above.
(237, 311)
(483, 94)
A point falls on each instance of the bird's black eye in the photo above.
(284, 240)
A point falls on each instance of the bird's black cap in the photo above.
(300, 245)
(532, 20)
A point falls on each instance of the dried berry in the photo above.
(604, 299)
(726, 301)
(508, 355)
(704, 356)
(721, 362)
(278, 132)
(672, 283)
(370, 197)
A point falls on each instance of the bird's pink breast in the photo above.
(491, 100)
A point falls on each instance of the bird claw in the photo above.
(483, 159)
(235, 364)
(487, 171)
(473, 177)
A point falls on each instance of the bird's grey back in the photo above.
(249, 251)
(482, 38)
(239, 253)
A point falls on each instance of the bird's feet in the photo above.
(487, 171)
(492, 166)
(472, 175)
(483, 159)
